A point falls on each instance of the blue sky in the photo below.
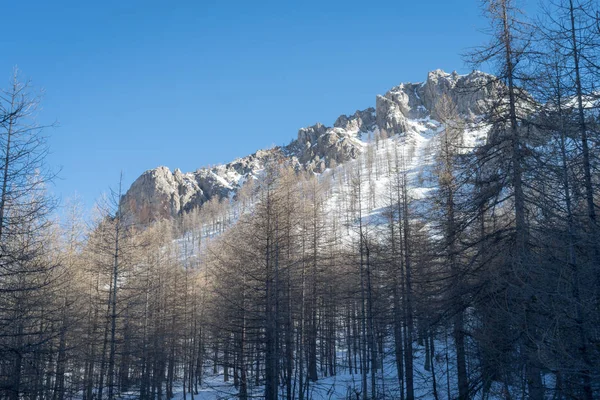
(138, 84)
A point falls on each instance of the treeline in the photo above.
(483, 283)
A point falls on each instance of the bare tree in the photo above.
(25, 265)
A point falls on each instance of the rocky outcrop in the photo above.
(159, 193)
(319, 147)
(360, 121)
(471, 94)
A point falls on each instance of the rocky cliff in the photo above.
(160, 193)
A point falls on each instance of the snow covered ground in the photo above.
(417, 147)
(346, 386)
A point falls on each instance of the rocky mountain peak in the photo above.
(360, 121)
(160, 193)
(471, 94)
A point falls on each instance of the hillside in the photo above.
(404, 109)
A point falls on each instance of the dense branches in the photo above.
(457, 259)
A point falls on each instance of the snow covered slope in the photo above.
(408, 110)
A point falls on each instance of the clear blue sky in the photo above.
(138, 84)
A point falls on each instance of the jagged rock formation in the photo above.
(318, 147)
(160, 193)
(472, 95)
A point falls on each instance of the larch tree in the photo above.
(25, 265)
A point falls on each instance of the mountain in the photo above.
(160, 193)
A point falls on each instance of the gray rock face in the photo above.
(159, 193)
(360, 121)
(472, 95)
(319, 147)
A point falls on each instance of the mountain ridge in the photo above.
(161, 193)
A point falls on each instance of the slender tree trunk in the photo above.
(408, 338)
(113, 305)
(572, 257)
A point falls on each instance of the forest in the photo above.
(439, 268)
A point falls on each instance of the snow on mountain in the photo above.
(408, 110)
